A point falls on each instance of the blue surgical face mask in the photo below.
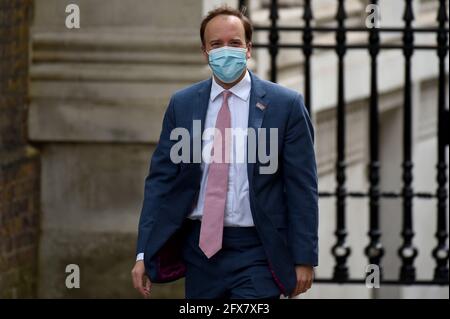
(228, 63)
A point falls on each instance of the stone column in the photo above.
(98, 94)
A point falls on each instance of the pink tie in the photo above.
(211, 230)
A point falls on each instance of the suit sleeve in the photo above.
(161, 175)
(300, 179)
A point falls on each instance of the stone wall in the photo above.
(19, 163)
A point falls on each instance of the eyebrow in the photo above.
(219, 40)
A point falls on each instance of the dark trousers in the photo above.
(238, 271)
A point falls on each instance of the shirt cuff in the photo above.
(140, 256)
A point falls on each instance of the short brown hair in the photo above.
(229, 11)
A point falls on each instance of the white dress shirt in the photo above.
(237, 207)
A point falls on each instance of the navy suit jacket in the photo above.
(284, 204)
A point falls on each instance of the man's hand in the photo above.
(140, 281)
(305, 276)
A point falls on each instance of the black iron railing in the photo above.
(374, 250)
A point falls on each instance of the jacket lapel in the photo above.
(202, 102)
(258, 105)
(200, 108)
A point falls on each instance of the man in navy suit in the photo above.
(233, 229)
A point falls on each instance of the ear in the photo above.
(249, 50)
(205, 54)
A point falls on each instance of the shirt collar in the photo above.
(240, 89)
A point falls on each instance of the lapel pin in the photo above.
(260, 106)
